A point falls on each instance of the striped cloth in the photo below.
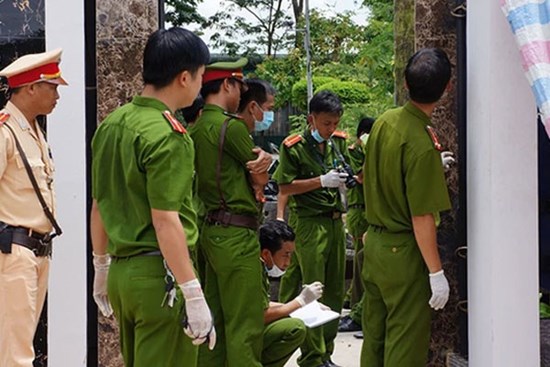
(530, 23)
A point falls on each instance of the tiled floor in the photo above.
(347, 351)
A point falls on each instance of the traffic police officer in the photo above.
(25, 226)
(231, 173)
(309, 170)
(405, 190)
(142, 215)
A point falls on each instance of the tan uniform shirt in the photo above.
(19, 205)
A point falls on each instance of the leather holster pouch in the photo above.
(5, 241)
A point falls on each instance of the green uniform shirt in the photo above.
(356, 158)
(140, 163)
(302, 161)
(403, 174)
(237, 150)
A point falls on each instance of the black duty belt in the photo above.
(332, 215)
(39, 244)
(148, 253)
(225, 218)
(356, 206)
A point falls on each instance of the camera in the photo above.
(351, 182)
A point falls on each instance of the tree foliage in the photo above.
(183, 12)
(268, 32)
(357, 59)
(283, 73)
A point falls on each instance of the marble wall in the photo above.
(436, 27)
(122, 28)
(21, 33)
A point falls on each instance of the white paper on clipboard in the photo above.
(312, 315)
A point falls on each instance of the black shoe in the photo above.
(346, 324)
(330, 363)
(358, 335)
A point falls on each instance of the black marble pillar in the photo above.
(436, 27)
(21, 33)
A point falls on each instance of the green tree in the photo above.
(266, 34)
(283, 72)
(183, 12)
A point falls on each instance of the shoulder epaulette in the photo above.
(176, 125)
(292, 139)
(340, 134)
(4, 116)
(434, 138)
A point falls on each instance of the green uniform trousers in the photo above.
(396, 314)
(320, 249)
(356, 312)
(357, 225)
(150, 335)
(281, 339)
(234, 281)
(291, 281)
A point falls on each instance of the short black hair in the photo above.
(213, 86)
(191, 113)
(365, 126)
(257, 91)
(326, 101)
(273, 233)
(168, 52)
(427, 74)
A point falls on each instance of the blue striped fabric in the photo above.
(531, 17)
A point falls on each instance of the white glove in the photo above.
(447, 160)
(333, 178)
(310, 292)
(199, 319)
(440, 290)
(101, 267)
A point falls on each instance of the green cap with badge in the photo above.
(224, 69)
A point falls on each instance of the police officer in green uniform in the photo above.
(142, 220)
(357, 225)
(309, 170)
(231, 175)
(405, 190)
(282, 335)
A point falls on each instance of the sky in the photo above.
(209, 7)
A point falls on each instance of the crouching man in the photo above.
(282, 334)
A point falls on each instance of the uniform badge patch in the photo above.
(291, 140)
(176, 125)
(4, 116)
(434, 138)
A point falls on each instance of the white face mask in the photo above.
(364, 138)
(275, 271)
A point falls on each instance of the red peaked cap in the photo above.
(224, 69)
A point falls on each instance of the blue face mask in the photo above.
(266, 122)
(318, 138)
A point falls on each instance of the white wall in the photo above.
(502, 197)
(66, 126)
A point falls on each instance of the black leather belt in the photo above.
(332, 215)
(225, 218)
(39, 244)
(149, 253)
